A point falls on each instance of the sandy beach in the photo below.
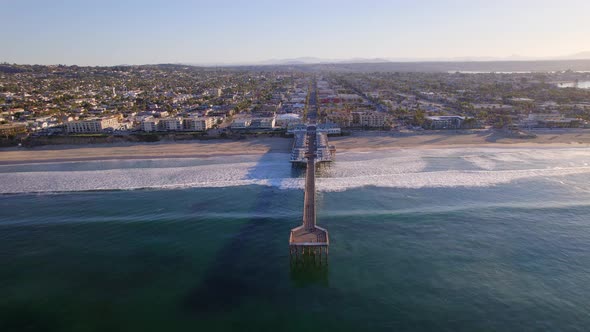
(358, 141)
(428, 140)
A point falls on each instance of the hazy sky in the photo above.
(105, 32)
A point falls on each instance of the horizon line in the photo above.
(294, 62)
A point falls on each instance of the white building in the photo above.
(551, 120)
(95, 125)
(198, 124)
(329, 128)
(444, 122)
(287, 120)
(149, 124)
(241, 123)
(368, 119)
(170, 124)
(263, 123)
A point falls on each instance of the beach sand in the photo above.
(358, 141)
(184, 149)
(428, 140)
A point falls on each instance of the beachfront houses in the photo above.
(551, 120)
(151, 124)
(254, 123)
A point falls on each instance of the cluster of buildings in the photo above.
(551, 120)
(474, 100)
(282, 109)
(151, 124)
(47, 100)
(344, 106)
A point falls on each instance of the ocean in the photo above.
(476, 239)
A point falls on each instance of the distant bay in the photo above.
(579, 85)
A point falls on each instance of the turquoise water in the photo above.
(493, 255)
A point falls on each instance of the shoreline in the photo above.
(357, 142)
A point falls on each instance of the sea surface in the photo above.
(482, 239)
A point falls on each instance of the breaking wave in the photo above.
(394, 168)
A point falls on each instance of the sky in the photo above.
(105, 32)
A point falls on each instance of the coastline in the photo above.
(364, 141)
(357, 142)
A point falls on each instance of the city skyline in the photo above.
(226, 32)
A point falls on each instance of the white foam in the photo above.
(395, 169)
(444, 179)
(483, 162)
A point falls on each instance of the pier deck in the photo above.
(322, 150)
(309, 242)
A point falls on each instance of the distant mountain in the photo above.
(577, 56)
(313, 60)
(323, 61)
(513, 57)
(431, 66)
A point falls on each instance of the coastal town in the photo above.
(408, 166)
(38, 103)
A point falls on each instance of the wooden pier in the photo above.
(308, 243)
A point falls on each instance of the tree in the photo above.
(469, 123)
(419, 118)
(502, 121)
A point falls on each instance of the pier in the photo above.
(300, 150)
(309, 243)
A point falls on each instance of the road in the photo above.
(312, 107)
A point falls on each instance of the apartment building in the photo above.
(170, 124)
(198, 124)
(368, 119)
(94, 125)
(149, 124)
(444, 122)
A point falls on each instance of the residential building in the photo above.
(198, 123)
(341, 118)
(12, 129)
(149, 124)
(263, 123)
(368, 119)
(444, 122)
(170, 124)
(94, 125)
(241, 123)
(329, 128)
(551, 120)
(288, 119)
